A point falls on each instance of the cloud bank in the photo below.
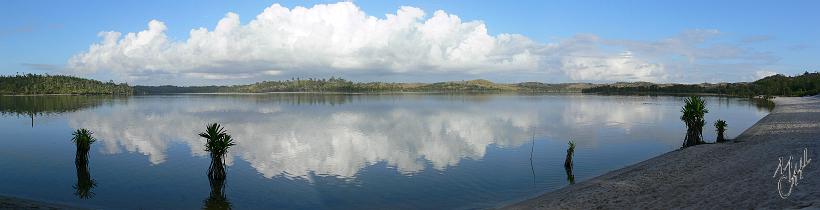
(340, 39)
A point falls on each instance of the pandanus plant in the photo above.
(570, 152)
(568, 162)
(720, 127)
(217, 143)
(693, 112)
(83, 140)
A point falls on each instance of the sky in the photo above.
(236, 42)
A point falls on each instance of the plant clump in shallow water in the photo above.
(218, 141)
(568, 164)
(83, 140)
(720, 127)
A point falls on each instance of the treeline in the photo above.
(32, 84)
(777, 85)
(341, 85)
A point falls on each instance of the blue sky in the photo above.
(561, 41)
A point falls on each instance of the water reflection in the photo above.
(280, 138)
(84, 181)
(217, 199)
(284, 140)
(33, 106)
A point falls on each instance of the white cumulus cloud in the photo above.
(341, 39)
(338, 37)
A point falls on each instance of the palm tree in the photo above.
(693, 116)
(720, 126)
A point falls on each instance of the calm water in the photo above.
(334, 151)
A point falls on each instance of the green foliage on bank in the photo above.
(33, 84)
(805, 84)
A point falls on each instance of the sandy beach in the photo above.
(20, 203)
(735, 175)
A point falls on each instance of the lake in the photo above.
(335, 151)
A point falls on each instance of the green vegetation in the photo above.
(720, 127)
(570, 153)
(568, 162)
(33, 84)
(693, 116)
(776, 85)
(217, 143)
(83, 140)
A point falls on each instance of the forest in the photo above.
(33, 84)
(776, 85)
(805, 84)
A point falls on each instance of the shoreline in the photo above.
(733, 175)
(8, 202)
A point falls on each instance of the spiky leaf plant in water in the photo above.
(570, 153)
(720, 127)
(83, 140)
(217, 143)
(568, 162)
(693, 113)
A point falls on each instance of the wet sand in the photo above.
(735, 175)
(19, 203)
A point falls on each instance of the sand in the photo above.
(735, 175)
(20, 203)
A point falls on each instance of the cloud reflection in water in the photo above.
(339, 139)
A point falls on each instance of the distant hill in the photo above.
(776, 85)
(32, 84)
(341, 85)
